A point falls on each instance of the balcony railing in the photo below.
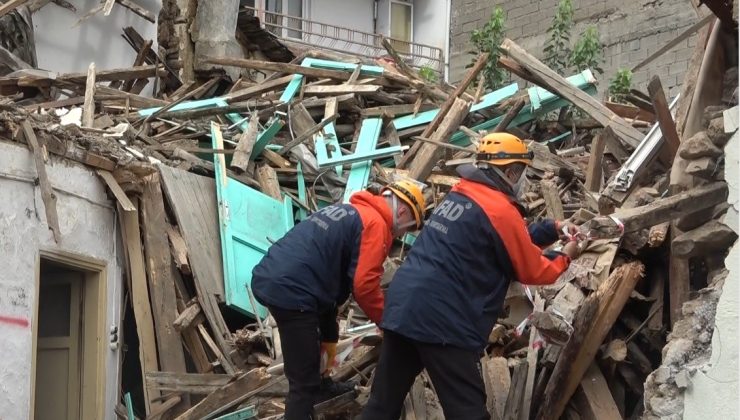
(346, 40)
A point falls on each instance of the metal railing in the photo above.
(346, 40)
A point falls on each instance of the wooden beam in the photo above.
(88, 109)
(139, 10)
(258, 89)
(229, 395)
(243, 151)
(117, 191)
(509, 116)
(267, 179)
(340, 89)
(307, 134)
(187, 317)
(11, 6)
(427, 156)
(532, 352)
(553, 204)
(592, 323)
(516, 391)
(280, 67)
(161, 283)
(47, 192)
(141, 72)
(140, 299)
(593, 398)
(594, 174)
(548, 79)
(178, 249)
(711, 237)
(665, 120)
(192, 383)
(500, 378)
(673, 207)
(446, 107)
(613, 145)
(690, 78)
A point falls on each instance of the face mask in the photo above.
(397, 228)
(518, 187)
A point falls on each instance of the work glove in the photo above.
(568, 231)
(328, 354)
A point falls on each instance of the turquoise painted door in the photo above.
(249, 222)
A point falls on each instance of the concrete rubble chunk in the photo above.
(699, 146)
(716, 132)
(709, 238)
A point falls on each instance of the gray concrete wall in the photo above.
(88, 227)
(630, 30)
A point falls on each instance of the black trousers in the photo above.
(301, 334)
(455, 373)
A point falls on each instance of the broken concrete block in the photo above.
(711, 112)
(705, 168)
(682, 379)
(662, 375)
(699, 146)
(716, 132)
(677, 352)
(713, 236)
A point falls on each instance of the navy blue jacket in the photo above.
(451, 287)
(336, 251)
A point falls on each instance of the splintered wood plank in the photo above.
(88, 109)
(614, 146)
(516, 391)
(244, 147)
(307, 134)
(179, 250)
(258, 89)
(594, 172)
(428, 154)
(500, 378)
(193, 200)
(340, 89)
(187, 317)
(161, 284)
(47, 193)
(116, 189)
(446, 108)
(139, 10)
(591, 324)
(108, 7)
(140, 299)
(267, 177)
(552, 200)
(280, 67)
(229, 395)
(532, 352)
(673, 207)
(193, 383)
(665, 120)
(593, 398)
(545, 77)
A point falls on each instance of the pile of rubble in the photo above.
(212, 172)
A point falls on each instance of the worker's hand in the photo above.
(328, 354)
(568, 230)
(571, 249)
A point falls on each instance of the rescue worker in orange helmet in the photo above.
(311, 271)
(446, 296)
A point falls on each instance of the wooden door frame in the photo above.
(94, 295)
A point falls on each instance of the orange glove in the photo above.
(328, 354)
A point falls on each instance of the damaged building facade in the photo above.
(128, 229)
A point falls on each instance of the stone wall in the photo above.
(630, 30)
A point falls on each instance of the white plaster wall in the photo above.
(88, 227)
(62, 48)
(353, 14)
(430, 23)
(715, 390)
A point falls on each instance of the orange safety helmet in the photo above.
(502, 149)
(412, 195)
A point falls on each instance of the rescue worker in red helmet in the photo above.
(446, 296)
(311, 271)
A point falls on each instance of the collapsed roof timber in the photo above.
(227, 154)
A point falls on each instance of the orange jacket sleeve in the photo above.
(374, 247)
(530, 265)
